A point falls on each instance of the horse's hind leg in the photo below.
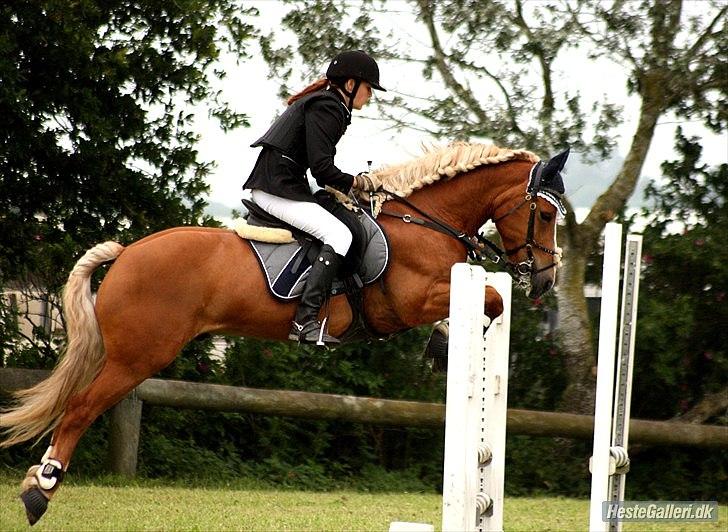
(113, 382)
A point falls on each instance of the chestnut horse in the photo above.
(172, 286)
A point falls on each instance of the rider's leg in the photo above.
(306, 327)
(336, 237)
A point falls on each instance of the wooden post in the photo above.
(124, 427)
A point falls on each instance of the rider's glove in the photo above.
(366, 181)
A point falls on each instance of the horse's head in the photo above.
(527, 225)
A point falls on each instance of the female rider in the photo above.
(305, 137)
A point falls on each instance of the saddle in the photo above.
(286, 265)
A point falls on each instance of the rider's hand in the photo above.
(366, 181)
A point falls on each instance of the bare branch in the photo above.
(444, 69)
(707, 34)
(623, 51)
(512, 114)
(547, 106)
(712, 404)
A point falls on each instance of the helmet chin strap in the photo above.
(351, 95)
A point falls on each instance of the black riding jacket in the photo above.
(303, 137)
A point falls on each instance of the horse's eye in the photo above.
(546, 217)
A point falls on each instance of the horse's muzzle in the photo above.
(541, 283)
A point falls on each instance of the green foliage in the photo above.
(537, 377)
(677, 474)
(97, 139)
(547, 466)
(682, 352)
(392, 369)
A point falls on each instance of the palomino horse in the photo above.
(170, 287)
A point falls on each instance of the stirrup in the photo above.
(312, 332)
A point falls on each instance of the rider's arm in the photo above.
(325, 124)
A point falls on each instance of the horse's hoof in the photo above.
(436, 349)
(35, 503)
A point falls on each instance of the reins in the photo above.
(478, 246)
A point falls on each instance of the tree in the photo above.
(496, 69)
(97, 139)
(683, 353)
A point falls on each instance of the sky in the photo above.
(249, 90)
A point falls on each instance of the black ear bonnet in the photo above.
(545, 180)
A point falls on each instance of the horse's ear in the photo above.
(550, 177)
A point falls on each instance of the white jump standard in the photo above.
(475, 409)
(610, 461)
(477, 391)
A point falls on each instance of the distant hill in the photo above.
(585, 182)
(220, 210)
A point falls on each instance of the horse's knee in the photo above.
(493, 303)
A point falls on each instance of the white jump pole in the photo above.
(605, 375)
(475, 411)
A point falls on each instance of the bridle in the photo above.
(479, 247)
(526, 268)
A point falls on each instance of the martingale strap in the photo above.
(470, 243)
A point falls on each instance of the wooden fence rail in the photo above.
(126, 416)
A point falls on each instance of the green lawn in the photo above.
(150, 505)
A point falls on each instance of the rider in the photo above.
(305, 137)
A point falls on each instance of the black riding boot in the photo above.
(306, 328)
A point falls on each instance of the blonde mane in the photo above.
(445, 162)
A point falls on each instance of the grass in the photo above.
(116, 504)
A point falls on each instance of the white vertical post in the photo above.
(625, 363)
(605, 375)
(625, 352)
(475, 412)
(462, 405)
(494, 394)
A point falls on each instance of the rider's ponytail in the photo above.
(315, 86)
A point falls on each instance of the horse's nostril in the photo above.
(548, 285)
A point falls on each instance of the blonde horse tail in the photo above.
(39, 409)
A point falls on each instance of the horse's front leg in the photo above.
(438, 302)
(437, 345)
(493, 303)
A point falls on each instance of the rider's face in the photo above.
(362, 95)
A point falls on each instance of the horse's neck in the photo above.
(469, 200)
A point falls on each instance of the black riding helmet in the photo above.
(355, 64)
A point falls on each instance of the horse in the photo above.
(167, 288)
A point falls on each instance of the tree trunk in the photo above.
(575, 331)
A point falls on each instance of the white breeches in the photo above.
(309, 217)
